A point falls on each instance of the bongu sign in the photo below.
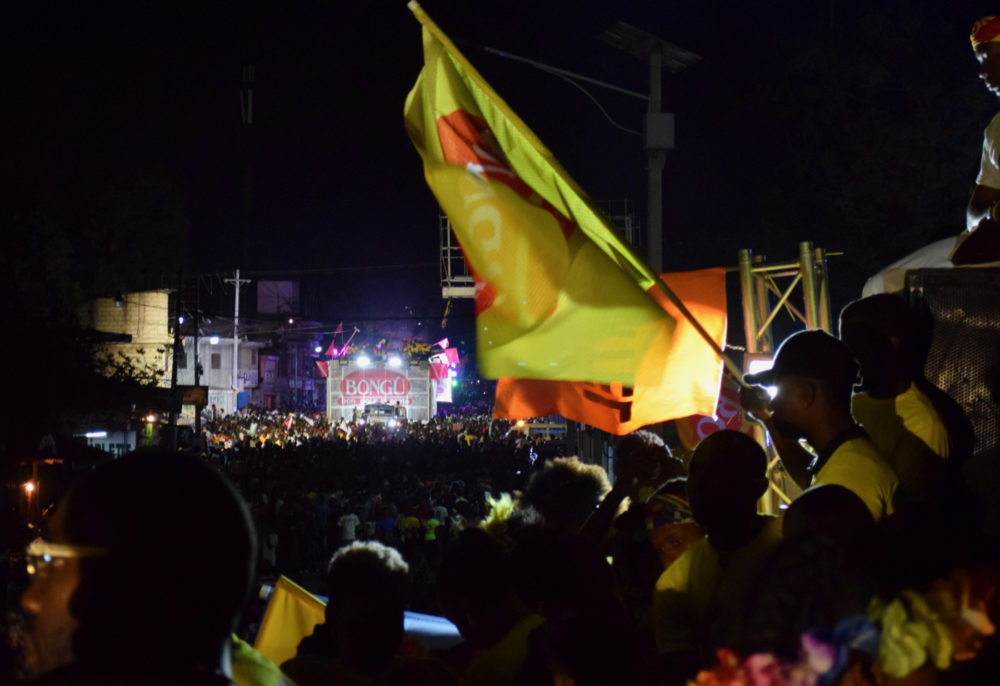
(374, 385)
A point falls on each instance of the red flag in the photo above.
(689, 383)
(339, 329)
(324, 368)
(288, 422)
(439, 370)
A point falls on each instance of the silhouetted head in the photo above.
(164, 561)
(366, 581)
(648, 456)
(830, 510)
(815, 375)
(726, 478)
(565, 492)
(881, 332)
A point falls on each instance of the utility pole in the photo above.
(237, 282)
(659, 126)
(197, 364)
(658, 131)
(174, 400)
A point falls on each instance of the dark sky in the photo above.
(852, 124)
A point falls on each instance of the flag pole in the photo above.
(736, 372)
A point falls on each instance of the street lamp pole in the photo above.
(659, 128)
(659, 125)
(197, 376)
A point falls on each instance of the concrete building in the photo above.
(215, 354)
(145, 317)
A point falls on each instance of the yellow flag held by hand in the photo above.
(559, 295)
(292, 613)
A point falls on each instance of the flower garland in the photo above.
(947, 624)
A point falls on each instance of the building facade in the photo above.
(144, 316)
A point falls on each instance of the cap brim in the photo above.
(764, 378)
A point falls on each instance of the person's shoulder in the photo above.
(678, 574)
(994, 125)
(860, 458)
(914, 404)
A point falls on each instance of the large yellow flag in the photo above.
(559, 295)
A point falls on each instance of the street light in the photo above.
(659, 128)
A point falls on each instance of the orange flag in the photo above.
(690, 384)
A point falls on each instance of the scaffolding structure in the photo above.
(457, 282)
(762, 299)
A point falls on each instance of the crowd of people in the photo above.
(672, 572)
(316, 485)
(882, 569)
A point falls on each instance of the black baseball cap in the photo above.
(813, 355)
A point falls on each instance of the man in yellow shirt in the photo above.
(814, 374)
(726, 478)
(900, 417)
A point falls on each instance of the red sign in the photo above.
(374, 385)
(729, 415)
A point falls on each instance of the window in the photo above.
(216, 360)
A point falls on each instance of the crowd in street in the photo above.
(882, 569)
(314, 486)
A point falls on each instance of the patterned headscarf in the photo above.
(667, 508)
(986, 30)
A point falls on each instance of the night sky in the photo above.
(852, 124)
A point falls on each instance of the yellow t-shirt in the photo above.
(859, 467)
(691, 584)
(907, 430)
(501, 664)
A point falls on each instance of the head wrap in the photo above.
(986, 30)
(667, 508)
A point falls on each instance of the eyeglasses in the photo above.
(42, 555)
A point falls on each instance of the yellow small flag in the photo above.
(292, 613)
(559, 295)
